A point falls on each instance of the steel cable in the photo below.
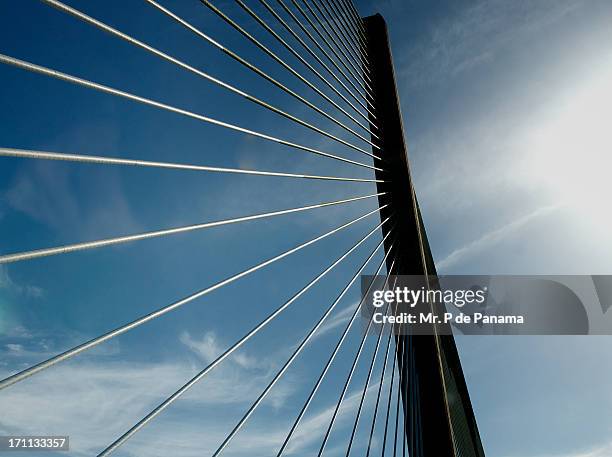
(348, 381)
(140, 44)
(285, 65)
(297, 351)
(123, 438)
(28, 255)
(48, 155)
(299, 39)
(161, 311)
(331, 358)
(109, 90)
(255, 69)
(290, 48)
(327, 17)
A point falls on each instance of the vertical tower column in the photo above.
(437, 408)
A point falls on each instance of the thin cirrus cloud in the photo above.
(95, 403)
(489, 240)
(474, 36)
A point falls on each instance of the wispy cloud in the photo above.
(53, 194)
(240, 373)
(474, 35)
(27, 290)
(600, 451)
(42, 190)
(489, 239)
(604, 450)
(95, 403)
(208, 348)
(11, 291)
(66, 199)
(336, 320)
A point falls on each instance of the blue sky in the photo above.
(504, 103)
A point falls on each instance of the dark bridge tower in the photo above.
(437, 407)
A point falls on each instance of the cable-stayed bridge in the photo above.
(347, 98)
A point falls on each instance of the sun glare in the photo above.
(570, 153)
